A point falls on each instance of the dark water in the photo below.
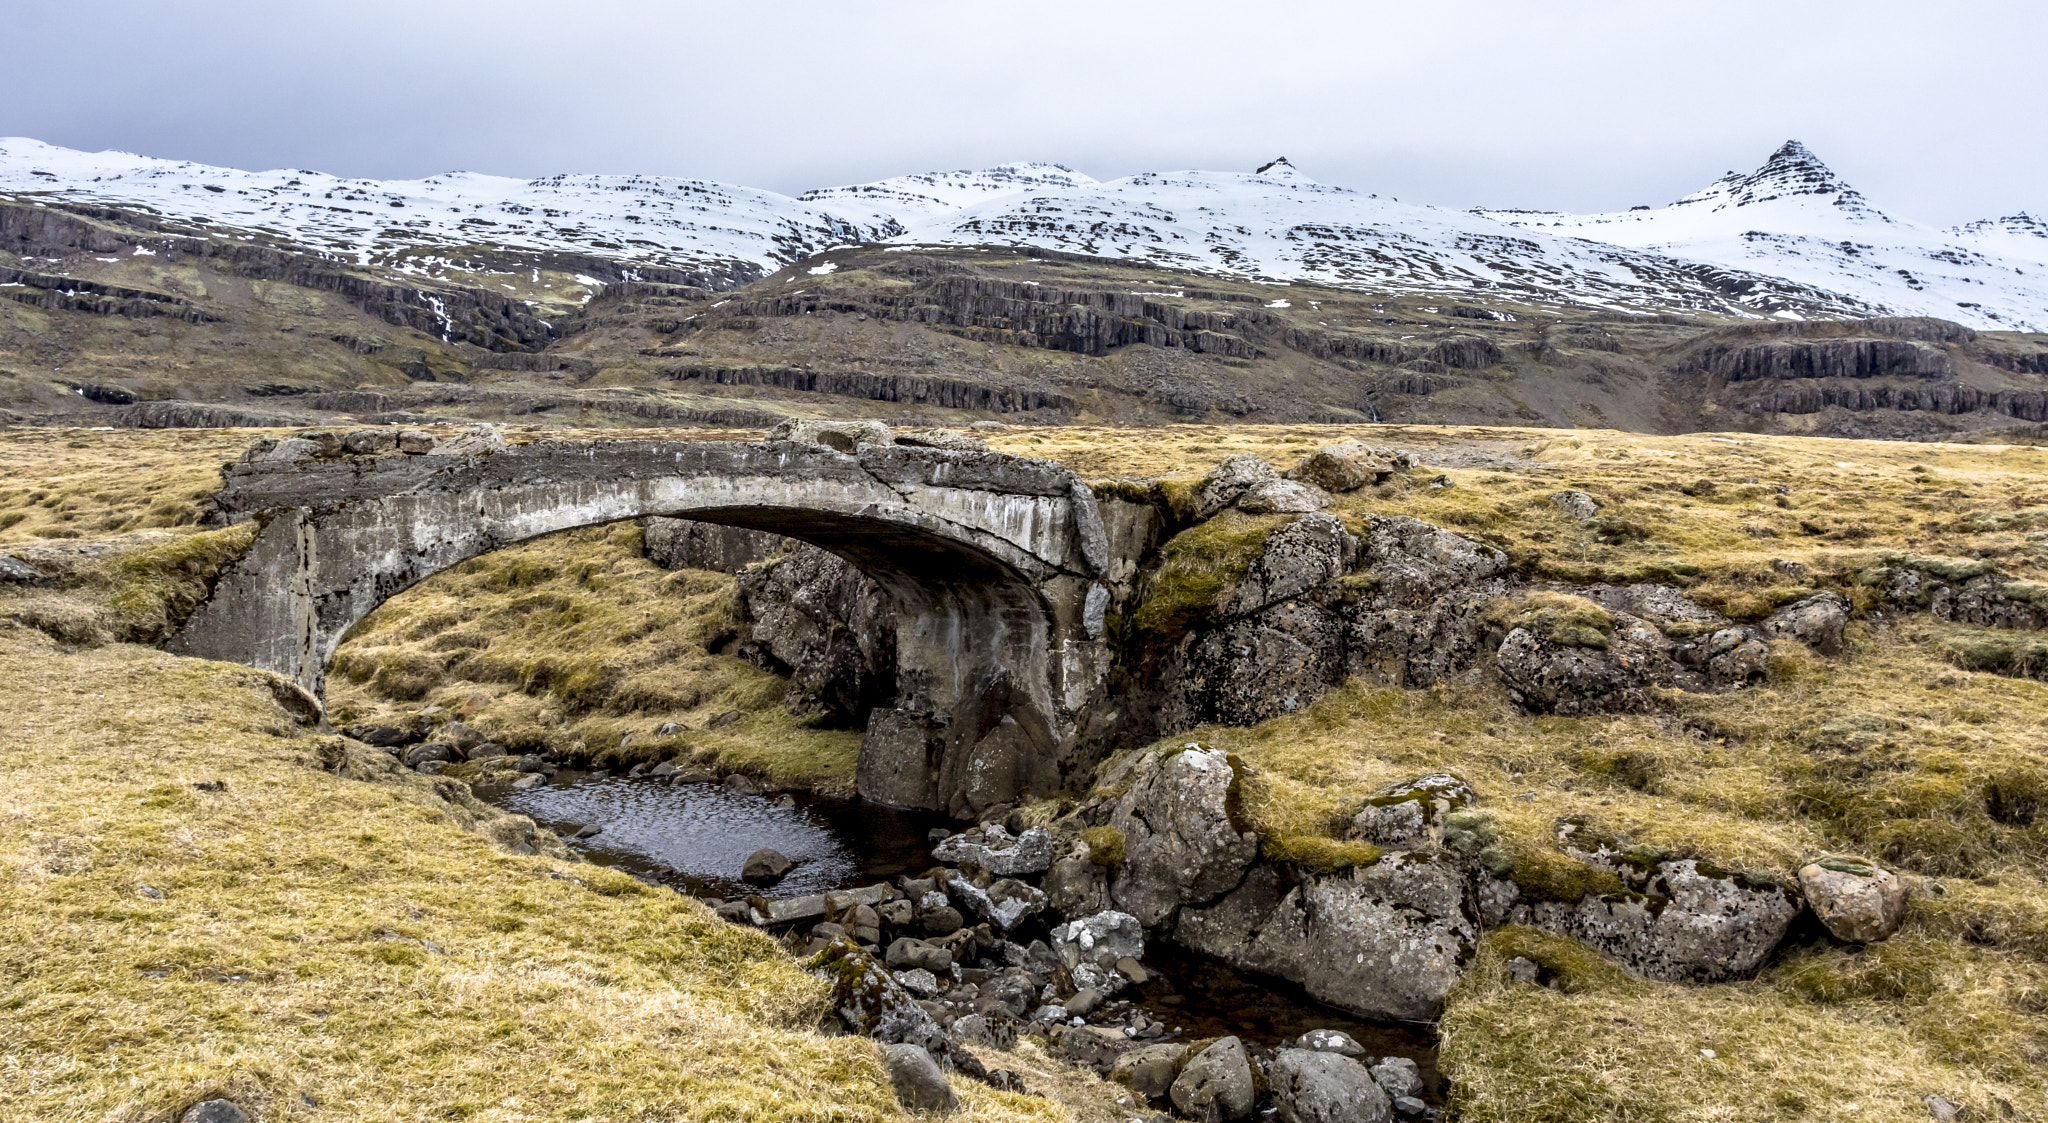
(1204, 998)
(696, 836)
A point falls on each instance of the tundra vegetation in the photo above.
(334, 948)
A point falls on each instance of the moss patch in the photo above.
(1198, 570)
(1560, 618)
(1105, 846)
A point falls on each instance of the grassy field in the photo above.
(1896, 749)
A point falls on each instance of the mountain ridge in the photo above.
(1276, 225)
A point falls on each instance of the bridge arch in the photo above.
(992, 561)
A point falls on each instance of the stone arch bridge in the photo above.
(995, 564)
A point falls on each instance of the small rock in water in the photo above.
(739, 783)
(529, 780)
(919, 1084)
(765, 867)
(1331, 1041)
(590, 830)
(786, 802)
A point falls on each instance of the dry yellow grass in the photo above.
(288, 961)
(570, 643)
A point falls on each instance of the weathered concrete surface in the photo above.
(990, 559)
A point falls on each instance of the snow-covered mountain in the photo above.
(651, 219)
(1789, 240)
(1795, 218)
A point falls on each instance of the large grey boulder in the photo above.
(1184, 841)
(1322, 1087)
(997, 851)
(1216, 1084)
(1679, 920)
(1857, 900)
(1816, 621)
(1277, 646)
(1348, 466)
(1229, 480)
(867, 997)
(1244, 671)
(919, 1083)
(1548, 676)
(1282, 497)
(1384, 941)
(1298, 559)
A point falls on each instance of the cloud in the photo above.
(1590, 105)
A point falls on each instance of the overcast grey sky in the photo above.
(1937, 110)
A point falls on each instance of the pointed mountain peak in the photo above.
(1791, 172)
(1797, 171)
(1282, 170)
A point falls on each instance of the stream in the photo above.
(694, 837)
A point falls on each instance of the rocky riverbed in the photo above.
(944, 941)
